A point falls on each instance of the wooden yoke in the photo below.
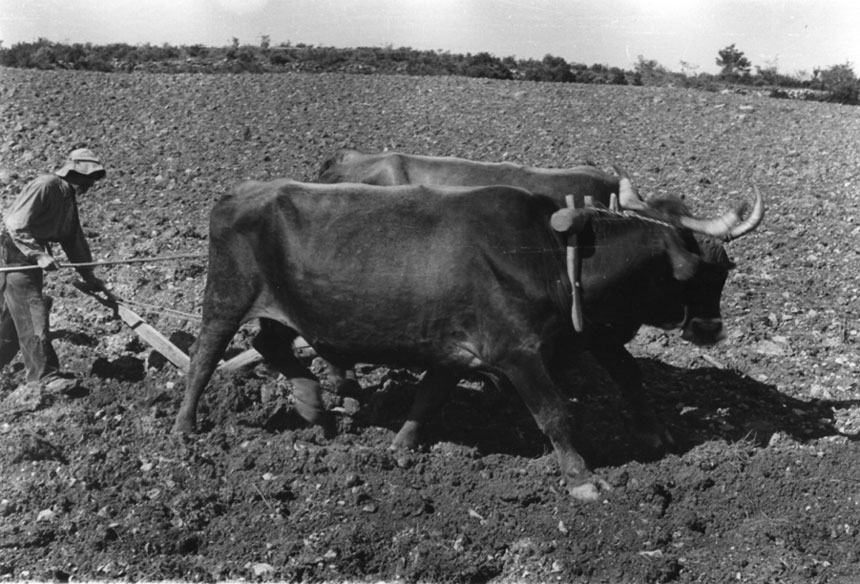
(574, 266)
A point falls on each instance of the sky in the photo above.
(792, 35)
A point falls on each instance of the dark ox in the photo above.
(451, 280)
(703, 324)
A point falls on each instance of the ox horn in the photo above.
(628, 197)
(752, 221)
(729, 226)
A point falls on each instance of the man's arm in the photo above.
(32, 202)
(78, 251)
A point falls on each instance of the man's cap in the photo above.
(82, 161)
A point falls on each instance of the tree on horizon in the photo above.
(733, 64)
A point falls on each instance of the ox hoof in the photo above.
(314, 413)
(318, 417)
(311, 412)
(589, 491)
(308, 401)
(407, 437)
(399, 443)
(183, 427)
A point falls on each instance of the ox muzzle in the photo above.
(703, 331)
(698, 330)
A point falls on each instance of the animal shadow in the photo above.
(476, 414)
(701, 405)
(123, 368)
(695, 405)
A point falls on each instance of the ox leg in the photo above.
(205, 354)
(622, 368)
(549, 407)
(274, 343)
(430, 394)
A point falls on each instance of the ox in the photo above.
(704, 324)
(452, 280)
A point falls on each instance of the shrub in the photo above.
(840, 82)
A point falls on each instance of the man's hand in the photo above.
(48, 263)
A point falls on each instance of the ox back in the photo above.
(396, 168)
(449, 279)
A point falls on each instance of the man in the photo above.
(46, 211)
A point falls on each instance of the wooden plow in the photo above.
(147, 332)
(168, 349)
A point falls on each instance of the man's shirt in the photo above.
(47, 211)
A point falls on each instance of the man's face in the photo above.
(83, 184)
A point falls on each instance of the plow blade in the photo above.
(145, 331)
(171, 352)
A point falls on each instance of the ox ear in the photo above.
(569, 220)
(684, 263)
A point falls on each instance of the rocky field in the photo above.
(764, 485)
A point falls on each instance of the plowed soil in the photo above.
(764, 485)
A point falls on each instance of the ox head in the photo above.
(702, 323)
(687, 297)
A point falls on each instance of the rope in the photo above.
(163, 310)
(626, 214)
(187, 256)
(110, 262)
(160, 309)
